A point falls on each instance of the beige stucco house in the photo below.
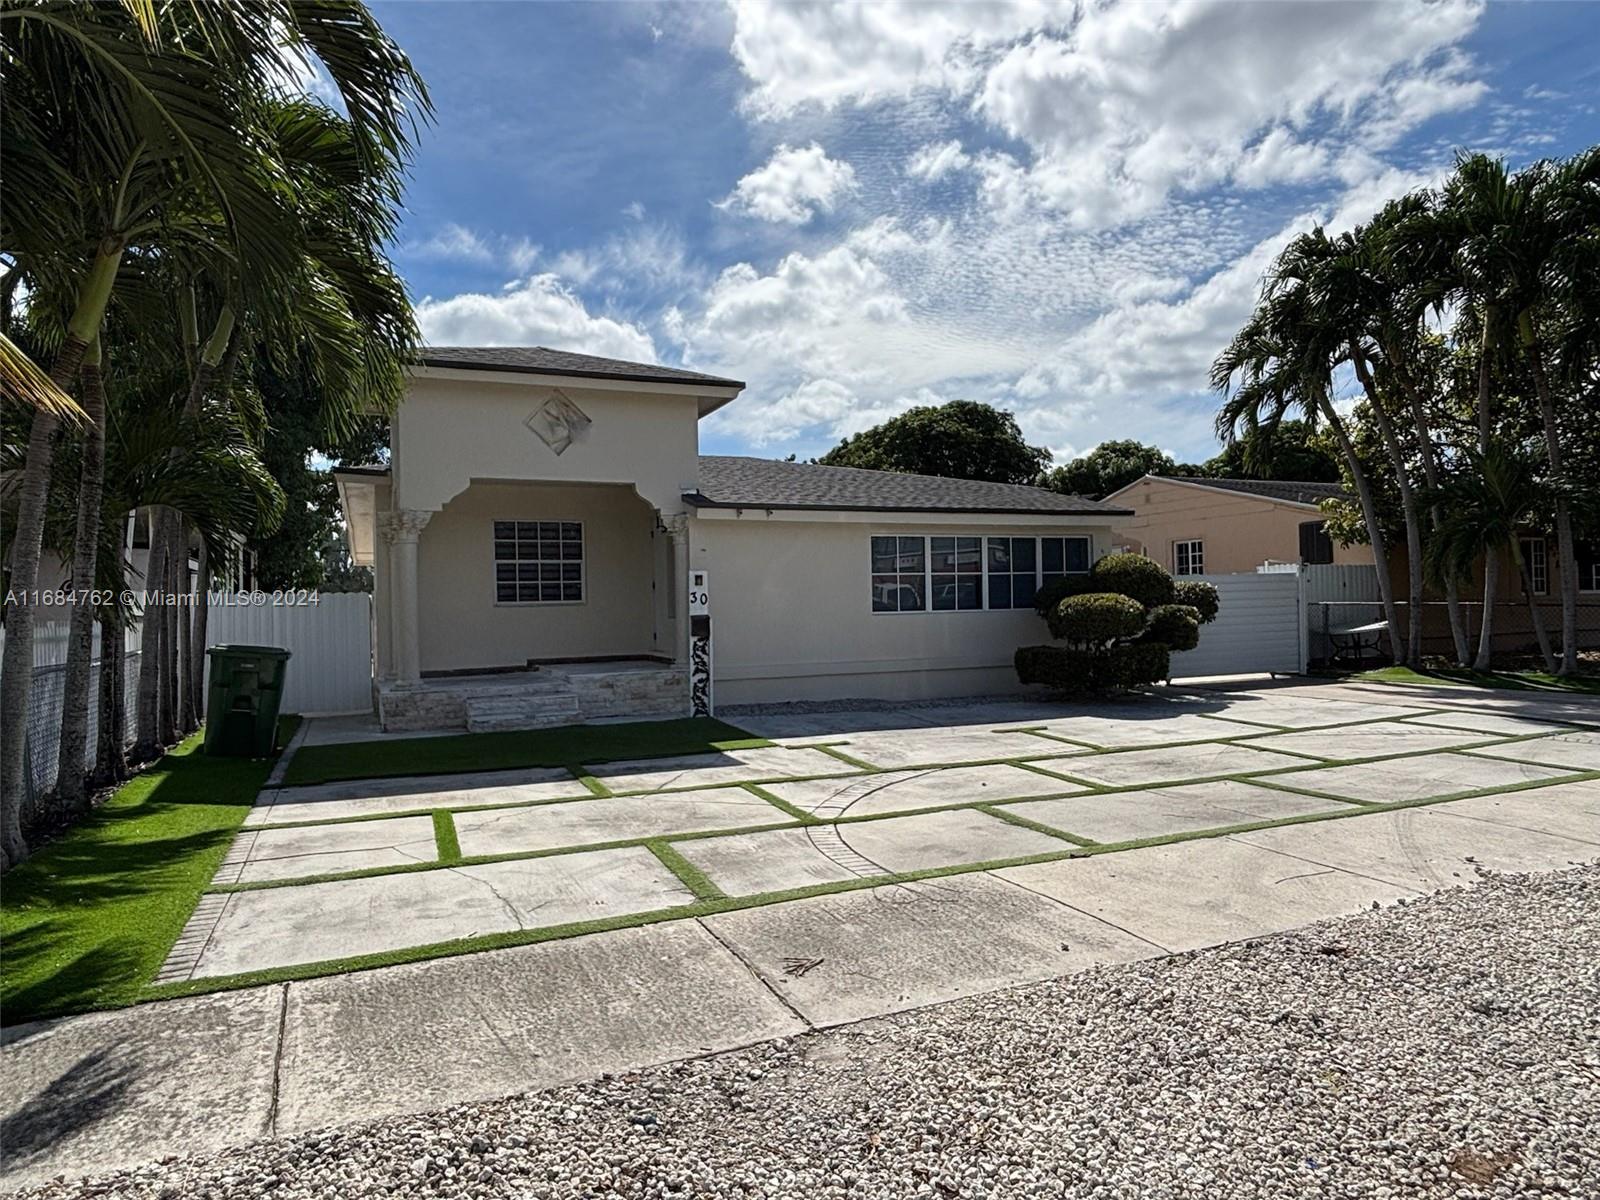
(544, 514)
(1198, 526)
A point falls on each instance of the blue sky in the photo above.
(1061, 210)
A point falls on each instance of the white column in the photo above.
(678, 530)
(400, 530)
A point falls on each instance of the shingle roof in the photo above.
(1272, 489)
(729, 482)
(540, 360)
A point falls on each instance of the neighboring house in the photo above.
(1198, 526)
(547, 509)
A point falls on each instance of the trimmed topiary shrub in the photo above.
(1202, 597)
(1090, 672)
(1144, 579)
(1096, 619)
(1057, 590)
(1176, 626)
(1120, 622)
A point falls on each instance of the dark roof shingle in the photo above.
(730, 482)
(540, 360)
(1271, 489)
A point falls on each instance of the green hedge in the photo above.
(1202, 597)
(1096, 619)
(1093, 673)
(1144, 579)
(1176, 626)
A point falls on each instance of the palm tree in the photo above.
(1488, 504)
(127, 110)
(1284, 360)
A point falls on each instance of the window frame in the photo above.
(1590, 563)
(1538, 564)
(1192, 545)
(985, 593)
(538, 560)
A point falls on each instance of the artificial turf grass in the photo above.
(569, 746)
(723, 903)
(90, 917)
(1514, 681)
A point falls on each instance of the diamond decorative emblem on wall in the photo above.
(558, 422)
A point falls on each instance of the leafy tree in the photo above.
(1292, 450)
(959, 440)
(1109, 466)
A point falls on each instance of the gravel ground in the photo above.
(1450, 1047)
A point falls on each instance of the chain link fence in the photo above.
(1512, 630)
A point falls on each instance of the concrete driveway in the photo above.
(870, 861)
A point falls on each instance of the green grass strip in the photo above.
(1512, 681)
(89, 918)
(692, 877)
(782, 805)
(1011, 818)
(834, 752)
(465, 752)
(444, 835)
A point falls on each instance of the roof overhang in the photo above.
(1214, 491)
(979, 517)
(709, 397)
(358, 497)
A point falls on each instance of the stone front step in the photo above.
(523, 710)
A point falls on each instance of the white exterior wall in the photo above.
(792, 619)
(454, 429)
(462, 625)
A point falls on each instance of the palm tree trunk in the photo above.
(1369, 514)
(1534, 615)
(186, 711)
(1408, 506)
(147, 739)
(16, 664)
(202, 612)
(1430, 471)
(1564, 540)
(110, 765)
(1491, 581)
(71, 781)
(177, 553)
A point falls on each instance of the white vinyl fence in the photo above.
(1260, 627)
(330, 643)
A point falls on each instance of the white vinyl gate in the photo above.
(1260, 626)
(330, 643)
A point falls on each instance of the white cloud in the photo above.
(540, 311)
(793, 186)
(936, 160)
(457, 243)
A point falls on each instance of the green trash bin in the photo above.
(243, 698)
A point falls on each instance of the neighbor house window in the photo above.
(1188, 558)
(1537, 561)
(538, 562)
(1013, 572)
(899, 574)
(1315, 544)
(956, 573)
(1062, 556)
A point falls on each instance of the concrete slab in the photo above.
(368, 797)
(1152, 730)
(915, 747)
(1173, 765)
(258, 855)
(1292, 708)
(279, 927)
(798, 729)
(1370, 741)
(369, 1044)
(1417, 848)
(1203, 893)
(1570, 810)
(896, 791)
(113, 1090)
(888, 949)
(727, 766)
(1580, 751)
(576, 822)
(1125, 816)
(1486, 722)
(748, 864)
(1419, 778)
(993, 713)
